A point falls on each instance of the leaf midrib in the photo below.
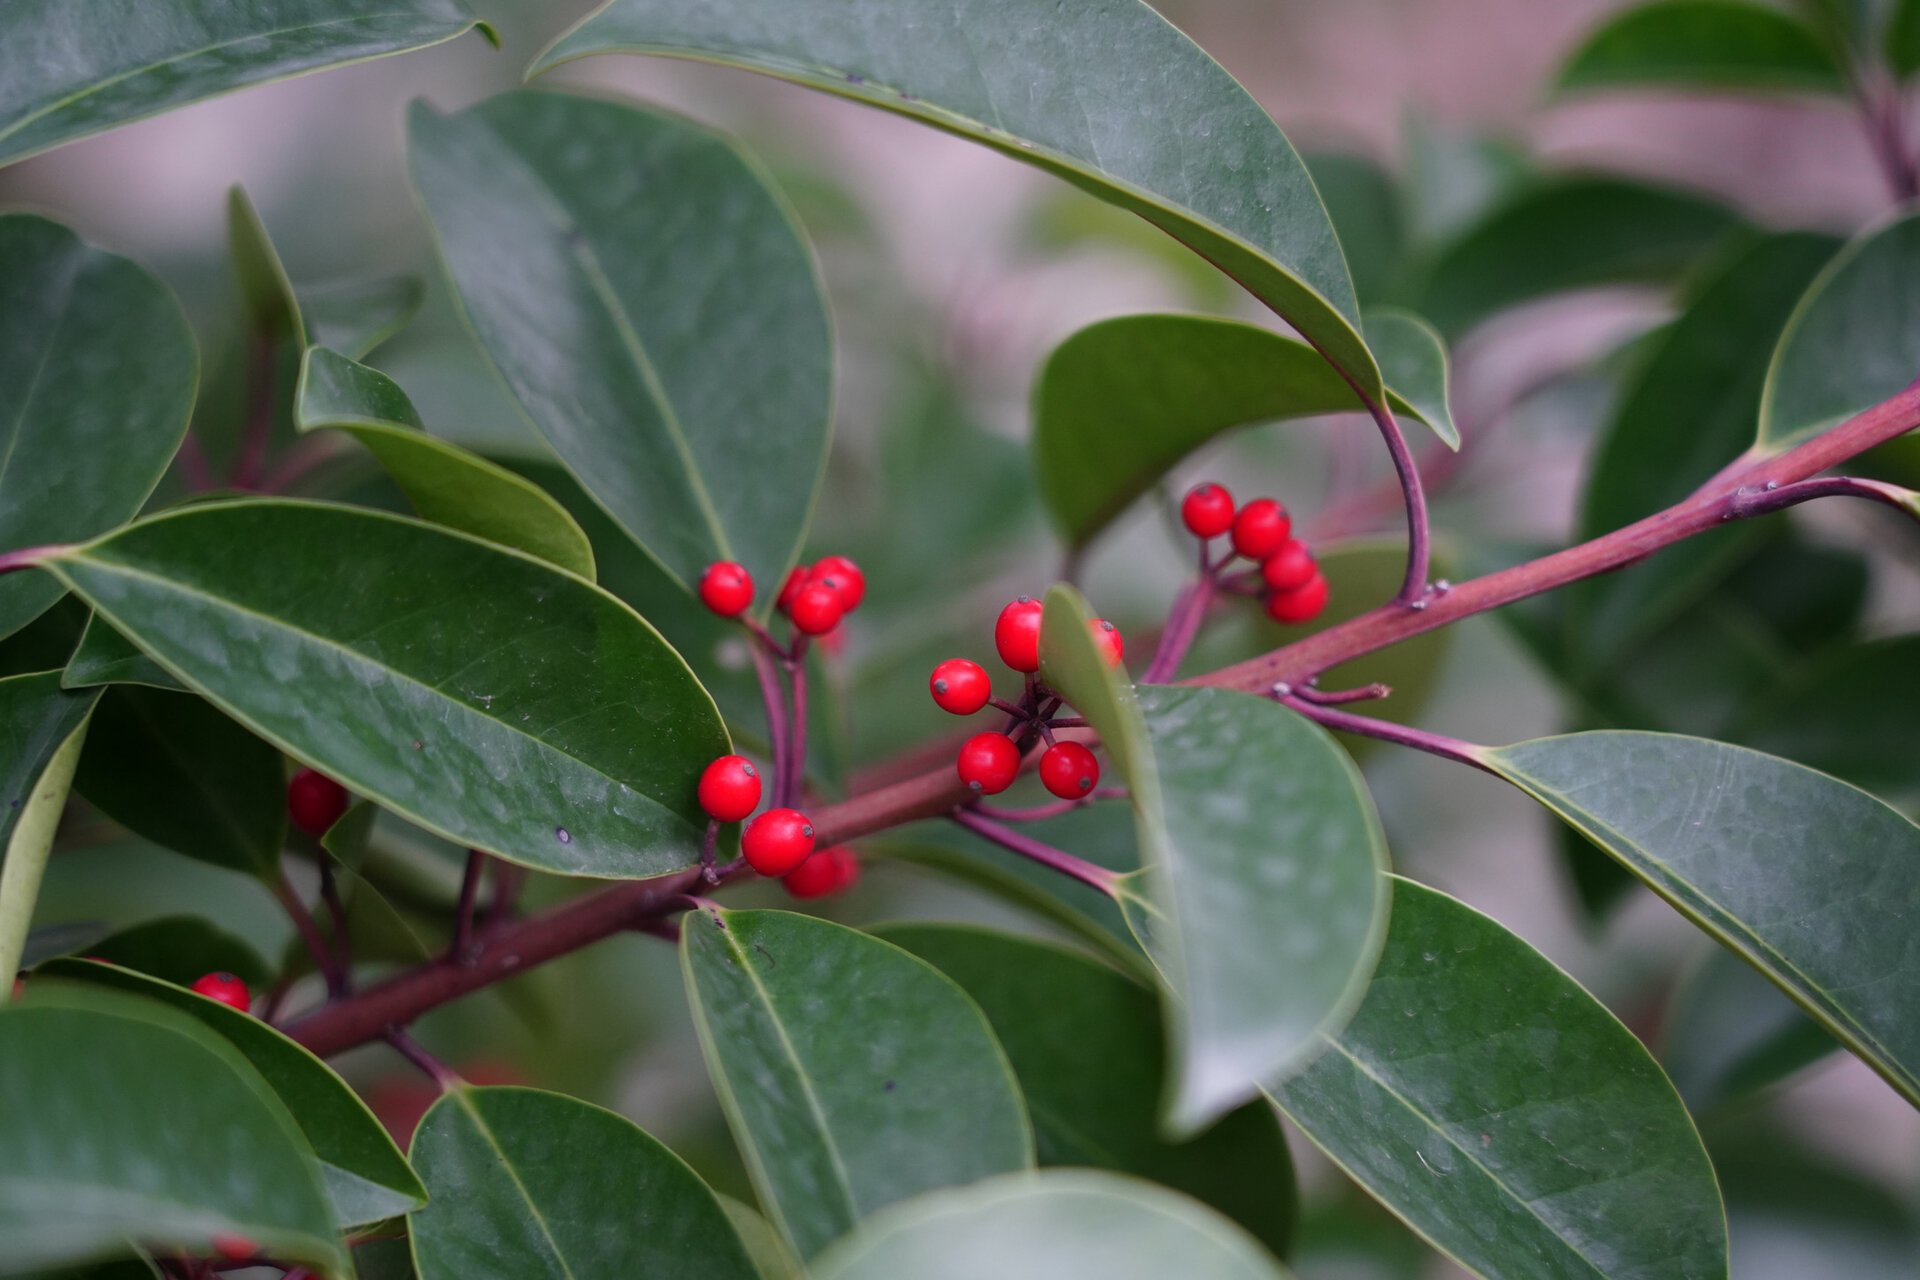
(472, 1112)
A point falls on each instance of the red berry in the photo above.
(1069, 770)
(777, 841)
(960, 686)
(1302, 604)
(1260, 528)
(828, 871)
(816, 609)
(225, 988)
(1207, 510)
(1107, 638)
(233, 1248)
(315, 801)
(1290, 566)
(852, 582)
(989, 762)
(729, 788)
(1017, 634)
(796, 579)
(726, 588)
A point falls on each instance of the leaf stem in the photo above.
(775, 701)
(1763, 500)
(30, 557)
(416, 1053)
(797, 729)
(1455, 749)
(469, 895)
(1413, 589)
(309, 932)
(1087, 873)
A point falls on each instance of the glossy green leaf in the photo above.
(125, 1120)
(446, 484)
(1808, 879)
(366, 1178)
(179, 949)
(122, 884)
(1505, 1115)
(477, 692)
(61, 80)
(1729, 1032)
(1902, 40)
(648, 299)
(1414, 361)
(1851, 715)
(104, 656)
(852, 1074)
(355, 316)
(1121, 402)
(266, 290)
(49, 941)
(526, 1183)
(44, 728)
(1704, 44)
(771, 1257)
(1291, 872)
(1369, 212)
(97, 372)
(1568, 232)
(1104, 93)
(1850, 342)
(1048, 1225)
(1086, 1044)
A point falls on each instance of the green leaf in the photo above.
(446, 484)
(44, 727)
(123, 1120)
(104, 656)
(1120, 403)
(266, 290)
(355, 316)
(1044, 1226)
(1290, 872)
(1729, 1033)
(852, 1074)
(397, 657)
(60, 80)
(1704, 44)
(679, 358)
(171, 768)
(1850, 342)
(1105, 94)
(1086, 1044)
(180, 949)
(1793, 1213)
(1806, 878)
(526, 1183)
(771, 1257)
(1902, 41)
(1505, 1115)
(1369, 213)
(1568, 232)
(1851, 715)
(125, 883)
(1413, 359)
(97, 372)
(366, 1178)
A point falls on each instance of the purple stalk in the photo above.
(707, 843)
(776, 705)
(416, 1053)
(797, 730)
(30, 557)
(337, 913)
(309, 934)
(469, 893)
(1366, 693)
(1413, 590)
(1046, 855)
(1764, 501)
(1446, 748)
(1183, 624)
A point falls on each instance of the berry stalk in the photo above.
(1087, 873)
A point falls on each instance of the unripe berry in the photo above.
(1302, 604)
(315, 801)
(232, 1248)
(960, 687)
(1017, 634)
(828, 871)
(796, 579)
(777, 841)
(225, 988)
(816, 609)
(726, 588)
(1207, 510)
(1107, 639)
(1260, 528)
(851, 582)
(729, 788)
(1289, 567)
(1069, 770)
(989, 762)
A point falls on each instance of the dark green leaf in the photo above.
(1806, 878)
(97, 372)
(852, 1074)
(1104, 93)
(771, 1257)
(266, 291)
(1501, 1111)
(526, 1183)
(1704, 44)
(45, 727)
(1369, 213)
(60, 78)
(1086, 1044)
(1903, 37)
(124, 883)
(475, 691)
(1729, 1032)
(446, 484)
(104, 656)
(1851, 715)
(124, 1119)
(180, 949)
(1793, 1213)
(648, 300)
(356, 316)
(1044, 1226)
(1413, 359)
(52, 940)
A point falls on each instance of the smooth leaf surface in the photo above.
(1289, 869)
(123, 1120)
(1729, 1033)
(1086, 1044)
(1808, 879)
(97, 372)
(266, 290)
(532, 1184)
(1104, 93)
(852, 1074)
(477, 692)
(1505, 1115)
(366, 1177)
(60, 78)
(36, 719)
(446, 484)
(1704, 44)
(1043, 1226)
(36, 770)
(1419, 374)
(179, 949)
(648, 299)
(104, 656)
(353, 317)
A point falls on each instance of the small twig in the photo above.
(1041, 812)
(707, 843)
(1017, 712)
(507, 882)
(1087, 873)
(463, 914)
(1307, 693)
(309, 933)
(1067, 722)
(797, 728)
(1748, 503)
(775, 701)
(1183, 624)
(1455, 749)
(416, 1053)
(1413, 589)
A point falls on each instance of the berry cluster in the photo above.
(780, 841)
(1262, 531)
(814, 597)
